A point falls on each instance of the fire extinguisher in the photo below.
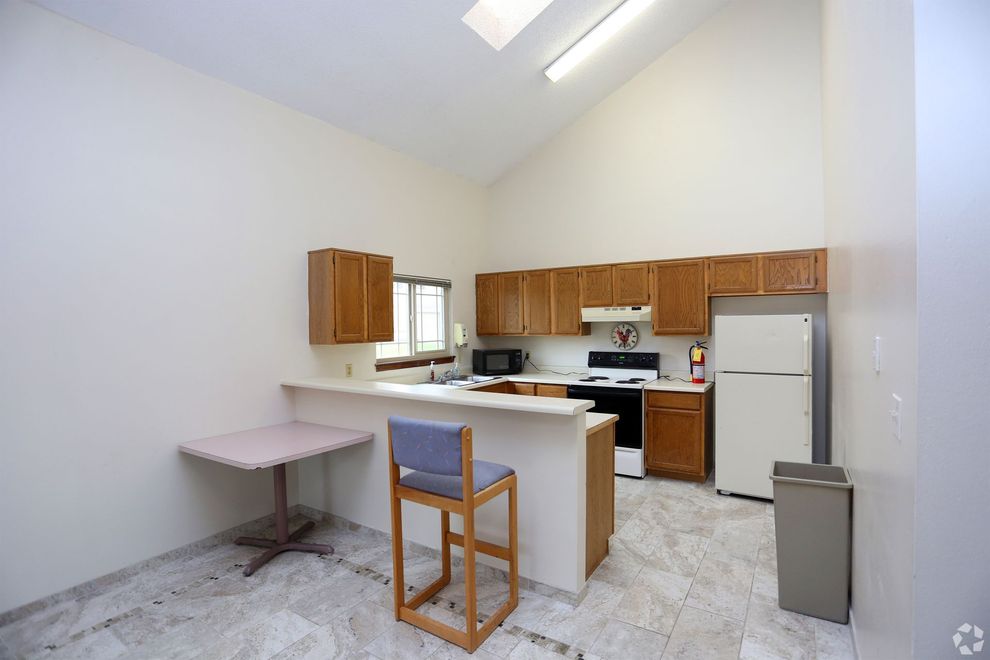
(697, 357)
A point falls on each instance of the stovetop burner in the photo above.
(593, 379)
(631, 381)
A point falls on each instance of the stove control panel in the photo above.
(627, 360)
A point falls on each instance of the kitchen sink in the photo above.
(461, 382)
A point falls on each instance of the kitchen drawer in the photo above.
(559, 391)
(673, 400)
(524, 388)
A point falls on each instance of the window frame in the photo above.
(417, 356)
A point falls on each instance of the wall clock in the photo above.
(625, 336)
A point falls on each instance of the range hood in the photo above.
(635, 314)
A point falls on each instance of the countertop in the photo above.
(597, 421)
(461, 396)
(662, 384)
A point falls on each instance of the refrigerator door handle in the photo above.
(807, 408)
(807, 353)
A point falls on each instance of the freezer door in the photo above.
(779, 344)
(759, 419)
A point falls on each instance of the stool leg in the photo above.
(513, 546)
(445, 544)
(470, 593)
(398, 582)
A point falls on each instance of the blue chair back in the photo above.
(426, 446)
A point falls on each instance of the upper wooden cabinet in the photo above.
(618, 285)
(680, 298)
(596, 286)
(770, 273)
(631, 284)
(789, 272)
(350, 297)
(733, 275)
(518, 303)
(536, 302)
(565, 303)
(381, 321)
(510, 304)
(486, 304)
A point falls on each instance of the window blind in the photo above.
(423, 281)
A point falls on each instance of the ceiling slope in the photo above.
(407, 74)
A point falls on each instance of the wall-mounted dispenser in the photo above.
(460, 335)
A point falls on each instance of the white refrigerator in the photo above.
(762, 398)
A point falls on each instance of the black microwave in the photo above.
(496, 362)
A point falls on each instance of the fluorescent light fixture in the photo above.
(499, 21)
(599, 34)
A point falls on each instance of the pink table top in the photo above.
(271, 445)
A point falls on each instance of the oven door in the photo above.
(627, 403)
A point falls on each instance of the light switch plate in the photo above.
(895, 416)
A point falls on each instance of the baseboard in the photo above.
(852, 634)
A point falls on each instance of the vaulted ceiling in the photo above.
(408, 74)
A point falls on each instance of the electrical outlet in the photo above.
(348, 370)
(527, 356)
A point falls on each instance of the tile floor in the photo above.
(691, 574)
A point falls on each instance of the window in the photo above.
(420, 310)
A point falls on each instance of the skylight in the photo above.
(499, 21)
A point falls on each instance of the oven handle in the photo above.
(627, 449)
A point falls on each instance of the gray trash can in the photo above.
(813, 508)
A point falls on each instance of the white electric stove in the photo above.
(615, 383)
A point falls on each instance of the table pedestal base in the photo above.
(283, 540)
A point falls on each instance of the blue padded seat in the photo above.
(485, 474)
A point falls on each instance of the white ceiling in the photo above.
(408, 74)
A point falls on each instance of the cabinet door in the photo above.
(733, 275)
(565, 303)
(790, 271)
(486, 304)
(558, 391)
(680, 300)
(675, 440)
(596, 286)
(321, 297)
(526, 389)
(499, 388)
(381, 322)
(631, 284)
(350, 293)
(536, 302)
(510, 304)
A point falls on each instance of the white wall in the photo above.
(714, 148)
(154, 225)
(870, 230)
(952, 60)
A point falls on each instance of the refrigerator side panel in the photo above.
(759, 419)
(772, 344)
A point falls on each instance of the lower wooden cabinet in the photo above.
(526, 389)
(545, 389)
(500, 388)
(679, 434)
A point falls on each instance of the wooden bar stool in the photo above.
(446, 476)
